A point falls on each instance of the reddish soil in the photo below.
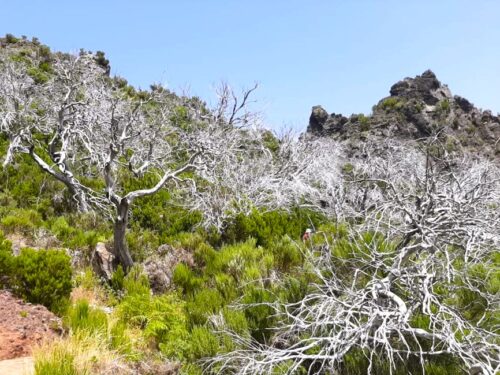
(23, 325)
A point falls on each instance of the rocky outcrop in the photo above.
(416, 109)
(425, 88)
(160, 266)
(102, 261)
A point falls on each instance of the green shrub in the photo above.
(286, 254)
(444, 106)
(364, 122)
(11, 39)
(44, 52)
(23, 221)
(270, 141)
(391, 103)
(203, 343)
(205, 303)
(38, 75)
(87, 279)
(136, 282)
(119, 340)
(226, 286)
(46, 67)
(43, 276)
(101, 60)
(259, 315)
(267, 226)
(118, 279)
(162, 319)
(81, 316)
(142, 243)
(235, 321)
(61, 229)
(6, 260)
(186, 279)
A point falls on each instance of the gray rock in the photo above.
(464, 104)
(102, 261)
(425, 87)
(317, 119)
(160, 266)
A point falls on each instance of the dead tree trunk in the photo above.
(120, 247)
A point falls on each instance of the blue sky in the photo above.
(344, 55)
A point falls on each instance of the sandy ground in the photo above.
(17, 366)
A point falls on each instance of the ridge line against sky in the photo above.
(339, 54)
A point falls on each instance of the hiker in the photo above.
(307, 235)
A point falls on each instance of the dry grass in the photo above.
(96, 296)
(79, 354)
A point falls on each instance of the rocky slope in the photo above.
(417, 108)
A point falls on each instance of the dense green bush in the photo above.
(5, 260)
(161, 318)
(39, 75)
(42, 276)
(267, 226)
(24, 221)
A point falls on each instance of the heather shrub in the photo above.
(269, 225)
(42, 276)
(24, 221)
(5, 260)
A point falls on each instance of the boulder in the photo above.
(317, 119)
(160, 266)
(102, 261)
(464, 104)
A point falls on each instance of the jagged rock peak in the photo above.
(417, 108)
(425, 87)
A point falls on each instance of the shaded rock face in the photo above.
(425, 87)
(318, 118)
(416, 109)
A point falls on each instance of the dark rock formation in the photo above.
(318, 118)
(416, 109)
(426, 88)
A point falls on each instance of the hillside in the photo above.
(417, 108)
(171, 237)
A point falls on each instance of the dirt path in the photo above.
(17, 366)
(23, 325)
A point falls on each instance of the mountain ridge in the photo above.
(416, 109)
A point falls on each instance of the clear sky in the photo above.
(344, 55)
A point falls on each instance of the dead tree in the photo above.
(431, 233)
(81, 123)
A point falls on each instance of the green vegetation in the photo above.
(233, 280)
(444, 106)
(11, 39)
(392, 104)
(364, 122)
(39, 276)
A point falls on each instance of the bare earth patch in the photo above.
(23, 325)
